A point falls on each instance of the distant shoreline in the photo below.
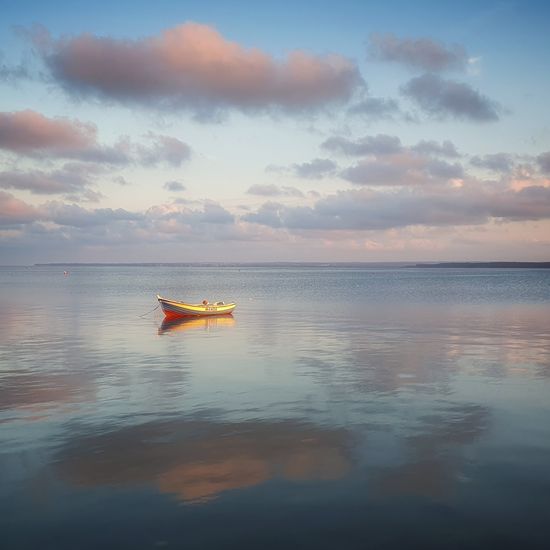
(423, 265)
(486, 265)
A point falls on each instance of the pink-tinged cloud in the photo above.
(29, 131)
(33, 134)
(15, 212)
(194, 66)
(62, 228)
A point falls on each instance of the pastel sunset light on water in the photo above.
(252, 132)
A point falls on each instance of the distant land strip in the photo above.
(498, 265)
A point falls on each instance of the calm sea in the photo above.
(338, 408)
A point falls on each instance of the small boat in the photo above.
(173, 309)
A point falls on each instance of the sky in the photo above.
(323, 131)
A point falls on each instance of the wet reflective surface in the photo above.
(337, 408)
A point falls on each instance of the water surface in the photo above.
(337, 408)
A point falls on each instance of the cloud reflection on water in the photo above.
(435, 457)
(425, 348)
(198, 460)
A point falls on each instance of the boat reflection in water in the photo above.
(191, 323)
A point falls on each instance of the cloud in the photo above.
(121, 153)
(442, 98)
(265, 190)
(161, 149)
(529, 203)
(175, 186)
(121, 180)
(366, 209)
(317, 168)
(381, 144)
(57, 221)
(75, 216)
(387, 162)
(419, 53)
(164, 149)
(269, 214)
(12, 75)
(272, 190)
(404, 169)
(29, 131)
(75, 180)
(543, 161)
(15, 212)
(445, 170)
(396, 171)
(376, 108)
(33, 134)
(193, 66)
(443, 149)
(71, 178)
(55, 229)
(498, 162)
(291, 191)
(212, 213)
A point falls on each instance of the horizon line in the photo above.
(411, 264)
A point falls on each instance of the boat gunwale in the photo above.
(177, 302)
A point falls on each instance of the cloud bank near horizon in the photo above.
(472, 202)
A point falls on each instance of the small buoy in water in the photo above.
(65, 273)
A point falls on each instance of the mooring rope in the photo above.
(158, 305)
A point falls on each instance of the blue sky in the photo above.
(246, 131)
